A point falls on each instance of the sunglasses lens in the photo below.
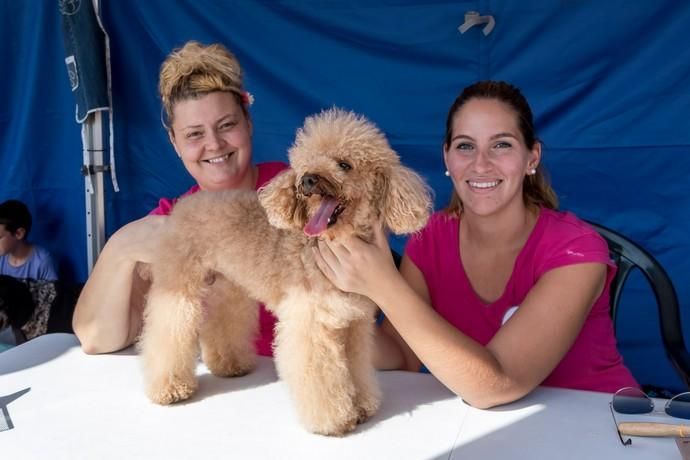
(632, 401)
(679, 406)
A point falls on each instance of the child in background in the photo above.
(23, 266)
(19, 258)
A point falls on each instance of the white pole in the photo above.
(92, 169)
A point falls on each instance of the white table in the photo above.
(94, 407)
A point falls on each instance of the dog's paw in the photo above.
(229, 366)
(365, 412)
(367, 406)
(330, 419)
(172, 392)
(332, 427)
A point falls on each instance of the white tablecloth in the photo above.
(94, 407)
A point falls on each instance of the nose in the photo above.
(482, 161)
(214, 141)
(309, 181)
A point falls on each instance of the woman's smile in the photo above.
(219, 159)
(483, 185)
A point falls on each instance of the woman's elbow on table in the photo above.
(489, 401)
(89, 344)
(95, 340)
(486, 395)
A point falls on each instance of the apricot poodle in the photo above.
(343, 177)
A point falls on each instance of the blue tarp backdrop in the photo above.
(609, 83)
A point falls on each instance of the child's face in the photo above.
(7, 241)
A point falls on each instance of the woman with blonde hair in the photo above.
(500, 292)
(209, 125)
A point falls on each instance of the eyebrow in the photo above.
(495, 136)
(505, 134)
(220, 120)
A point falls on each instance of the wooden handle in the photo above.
(654, 429)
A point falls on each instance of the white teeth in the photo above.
(483, 184)
(218, 159)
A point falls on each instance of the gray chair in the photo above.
(629, 255)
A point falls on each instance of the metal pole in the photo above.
(92, 169)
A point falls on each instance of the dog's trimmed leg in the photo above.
(228, 330)
(359, 351)
(310, 358)
(169, 345)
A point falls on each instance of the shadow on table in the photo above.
(211, 385)
(34, 352)
(551, 424)
(400, 395)
(129, 351)
(404, 392)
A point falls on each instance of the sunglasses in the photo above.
(631, 400)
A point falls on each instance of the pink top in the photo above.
(558, 239)
(267, 171)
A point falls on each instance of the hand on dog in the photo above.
(353, 265)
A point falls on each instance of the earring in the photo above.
(447, 173)
(533, 171)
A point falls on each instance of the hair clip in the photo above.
(247, 98)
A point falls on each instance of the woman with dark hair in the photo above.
(500, 292)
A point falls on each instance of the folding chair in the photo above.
(629, 255)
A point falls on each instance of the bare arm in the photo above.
(392, 352)
(519, 357)
(108, 315)
(388, 354)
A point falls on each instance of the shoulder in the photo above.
(439, 232)
(3, 264)
(41, 253)
(44, 264)
(165, 205)
(564, 226)
(564, 239)
(439, 223)
(268, 170)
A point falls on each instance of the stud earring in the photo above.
(533, 171)
(447, 173)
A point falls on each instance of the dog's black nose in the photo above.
(309, 181)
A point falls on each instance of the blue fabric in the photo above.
(84, 56)
(40, 143)
(608, 82)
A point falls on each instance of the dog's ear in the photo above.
(278, 198)
(408, 201)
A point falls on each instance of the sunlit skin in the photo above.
(487, 158)
(212, 136)
(488, 162)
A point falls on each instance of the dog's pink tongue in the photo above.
(319, 221)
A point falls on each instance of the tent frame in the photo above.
(92, 170)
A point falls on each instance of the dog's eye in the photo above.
(344, 166)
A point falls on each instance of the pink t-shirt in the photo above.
(558, 239)
(267, 171)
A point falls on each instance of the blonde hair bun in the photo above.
(197, 69)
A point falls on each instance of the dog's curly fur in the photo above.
(243, 248)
